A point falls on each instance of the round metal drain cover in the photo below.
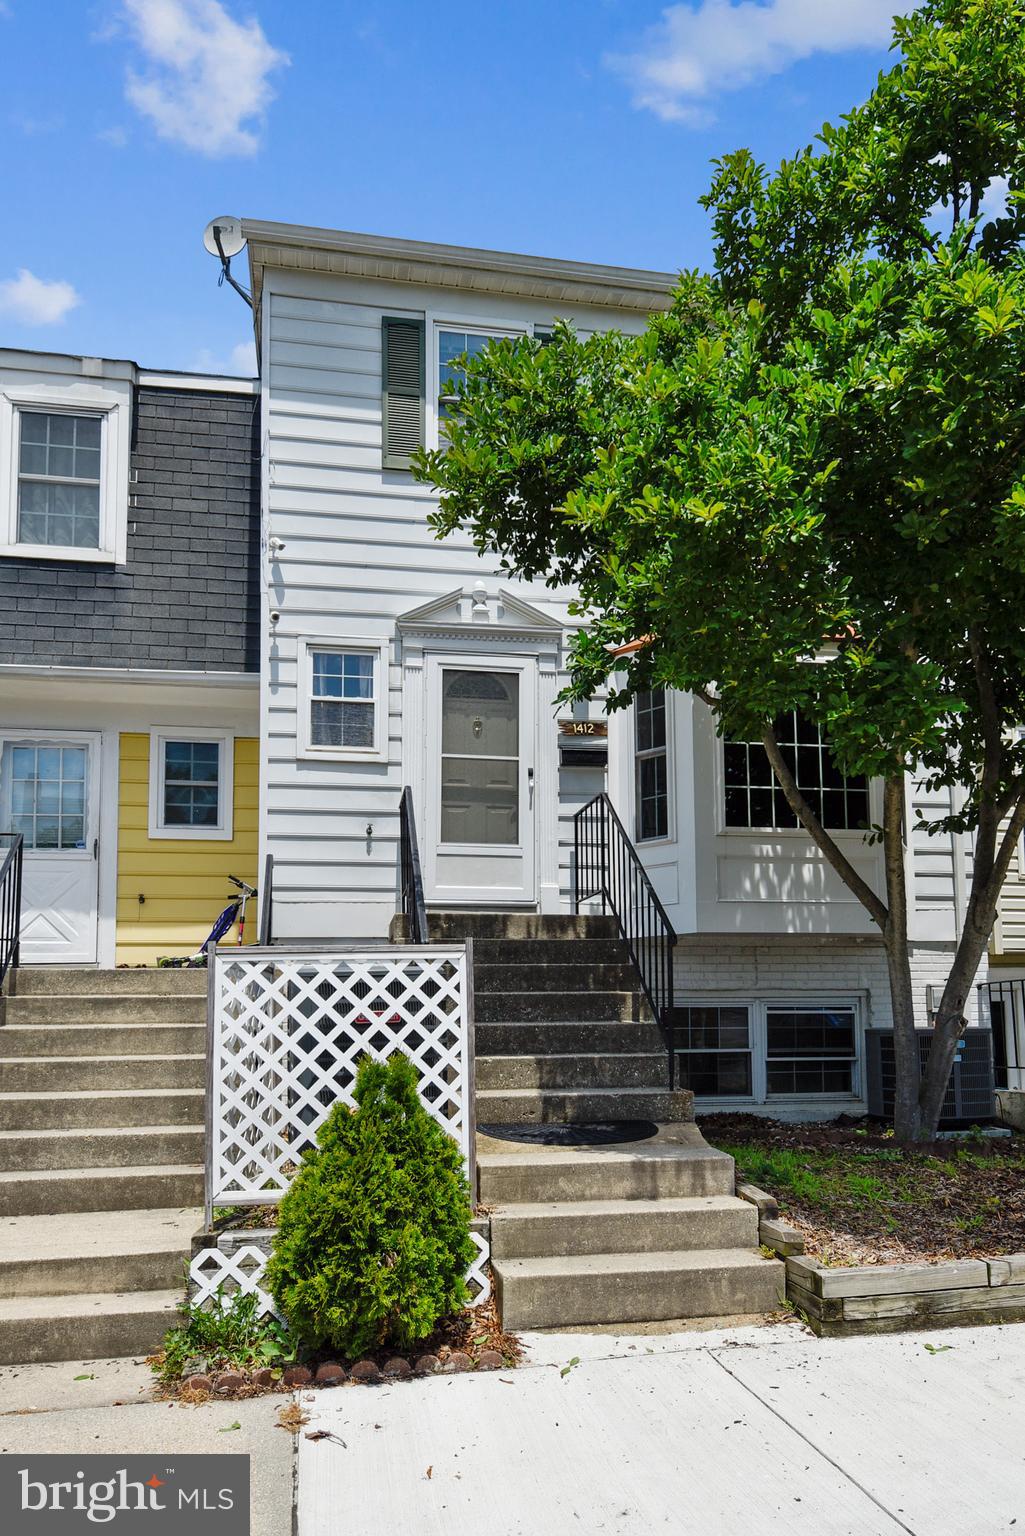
(574, 1135)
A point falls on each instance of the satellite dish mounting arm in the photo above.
(226, 269)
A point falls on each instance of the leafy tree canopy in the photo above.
(803, 484)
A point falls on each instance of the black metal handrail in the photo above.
(1005, 1003)
(413, 907)
(606, 866)
(267, 902)
(10, 901)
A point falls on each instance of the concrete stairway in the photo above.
(101, 1158)
(563, 1030)
(634, 1233)
(631, 1233)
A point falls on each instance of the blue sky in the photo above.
(574, 128)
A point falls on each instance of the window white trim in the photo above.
(112, 406)
(223, 831)
(305, 747)
(437, 322)
(635, 760)
(765, 838)
(758, 1008)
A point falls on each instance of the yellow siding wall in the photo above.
(185, 882)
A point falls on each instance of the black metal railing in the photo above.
(606, 867)
(411, 877)
(1006, 1001)
(12, 857)
(267, 902)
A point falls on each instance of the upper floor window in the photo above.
(65, 493)
(651, 765)
(754, 798)
(451, 377)
(59, 479)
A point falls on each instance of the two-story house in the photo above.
(129, 651)
(392, 660)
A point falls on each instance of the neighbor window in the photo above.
(754, 798)
(344, 711)
(809, 1051)
(714, 1051)
(46, 786)
(64, 468)
(59, 479)
(190, 786)
(651, 765)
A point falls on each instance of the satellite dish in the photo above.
(229, 229)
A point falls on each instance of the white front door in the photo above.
(480, 781)
(48, 792)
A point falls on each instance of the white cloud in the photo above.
(243, 358)
(34, 301)
(116, 137)
(694, 54)
(205, 81)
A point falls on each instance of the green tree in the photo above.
(804, 482)
(373, 1239)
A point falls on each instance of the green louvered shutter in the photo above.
(403, 389)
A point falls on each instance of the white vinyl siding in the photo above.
(358, 554)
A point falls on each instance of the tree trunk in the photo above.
(906, 1061)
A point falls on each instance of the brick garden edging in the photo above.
(889, 1298)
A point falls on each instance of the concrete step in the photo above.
(573, 1007)
(590, 1036)
(452, 927)
(565, 975)
(647, 1070)
(573, 951)
(598, 1288)
(99, 1008)
(101, 1039)
(53, 1192)
(76, 1074)
(582, 1106)
(510, 1174)
(68, 980)
(102, 1147)
(623, 1226)
(101, 1106)
(94, 1325)
(96, 1251)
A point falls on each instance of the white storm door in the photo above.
(480, 781)
(48, 792)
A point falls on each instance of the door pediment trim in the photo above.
(473, 612)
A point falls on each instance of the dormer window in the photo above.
(59, 479)
(66, 494)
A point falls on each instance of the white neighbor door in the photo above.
(48, 792)
(480, 781)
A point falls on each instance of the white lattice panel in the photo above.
(288, 1033)
(215, 1276)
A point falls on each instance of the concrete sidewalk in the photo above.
(749, 1430)
(722, 1432)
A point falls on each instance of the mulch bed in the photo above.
(473, 1340)
(857, 1198)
